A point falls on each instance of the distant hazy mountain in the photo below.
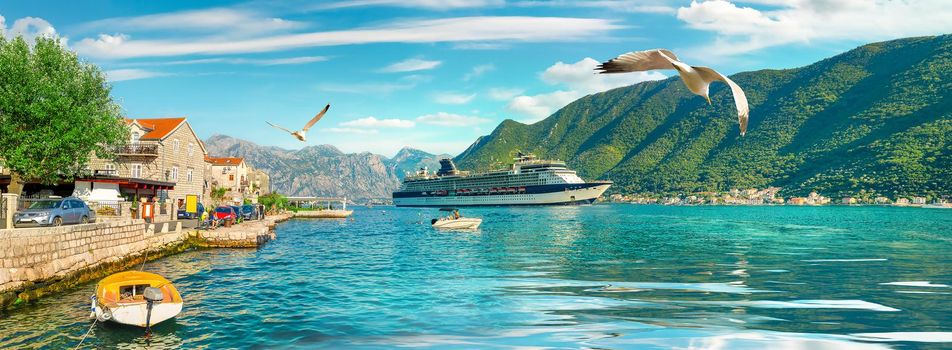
(324, 170)
(876, 119)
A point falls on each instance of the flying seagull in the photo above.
(697, 79)
(300, 134)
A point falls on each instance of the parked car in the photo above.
(55, 212)
(248, 212)
(182, 214)
(237, 210)
(224, 213)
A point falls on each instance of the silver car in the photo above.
(55, 212)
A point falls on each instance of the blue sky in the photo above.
(434, 75)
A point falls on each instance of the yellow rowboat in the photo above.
(135, 298)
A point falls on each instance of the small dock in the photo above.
(321, 207)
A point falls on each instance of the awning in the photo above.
(131, 182)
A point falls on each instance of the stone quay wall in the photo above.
(36, 262)
(34, 256)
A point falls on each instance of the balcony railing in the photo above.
(138, 149)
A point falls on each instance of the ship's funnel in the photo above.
(447, 167)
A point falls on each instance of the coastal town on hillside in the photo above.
(772, 196)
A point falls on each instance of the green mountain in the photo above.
(876, 119)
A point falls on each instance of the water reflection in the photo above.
(577, 277)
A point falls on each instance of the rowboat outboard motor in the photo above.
(152, 296)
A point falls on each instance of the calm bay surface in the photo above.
(602, 276)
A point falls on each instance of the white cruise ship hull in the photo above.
(567, 194)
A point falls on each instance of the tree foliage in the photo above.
(55, 111)
(872, 119)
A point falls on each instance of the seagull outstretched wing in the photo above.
(639, 61)
(279, 127)
(316, 118)
(740, 99)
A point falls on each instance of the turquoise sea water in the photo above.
(602, 276)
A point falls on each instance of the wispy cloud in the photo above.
(502, 94)
(459, 29)
(372, 122)
(225, 21)
(478, 71)
(132, 74)
(480, 46)
(450, 119)
(235, 60)
(744, 29)
(453, 98)
(633, 6)
(427, 4)
(411, 65)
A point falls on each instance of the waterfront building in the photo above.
(242, 180)
(798, 201)
(902, 201)
(260, 182)
(849, 200)
(881, 200)
(918, 200)
(163, 160)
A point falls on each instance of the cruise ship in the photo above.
(528, 181)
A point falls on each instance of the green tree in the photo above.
(218, 194)
(55, 111)
(273, 201)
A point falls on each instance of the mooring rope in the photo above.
(87, 334)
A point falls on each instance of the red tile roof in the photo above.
(158, 128)
(224, 160)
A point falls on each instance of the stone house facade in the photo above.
(160, 151)
(231, 173)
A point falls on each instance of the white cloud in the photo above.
(450, 119)
(427, 4)
(580, 76)
(744, 29)
(254, 61)
(371, 122)
(479, 46)
(542, 105)
(451, 30)
(503, 94)
(225, 21)
(633, 6)
(451, 98)
(29, 28)
(411, 65)
(478, 71)
(131, 74)
(351, 131)
(580, 79)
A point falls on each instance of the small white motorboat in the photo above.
(455, 221)
(135, 298)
